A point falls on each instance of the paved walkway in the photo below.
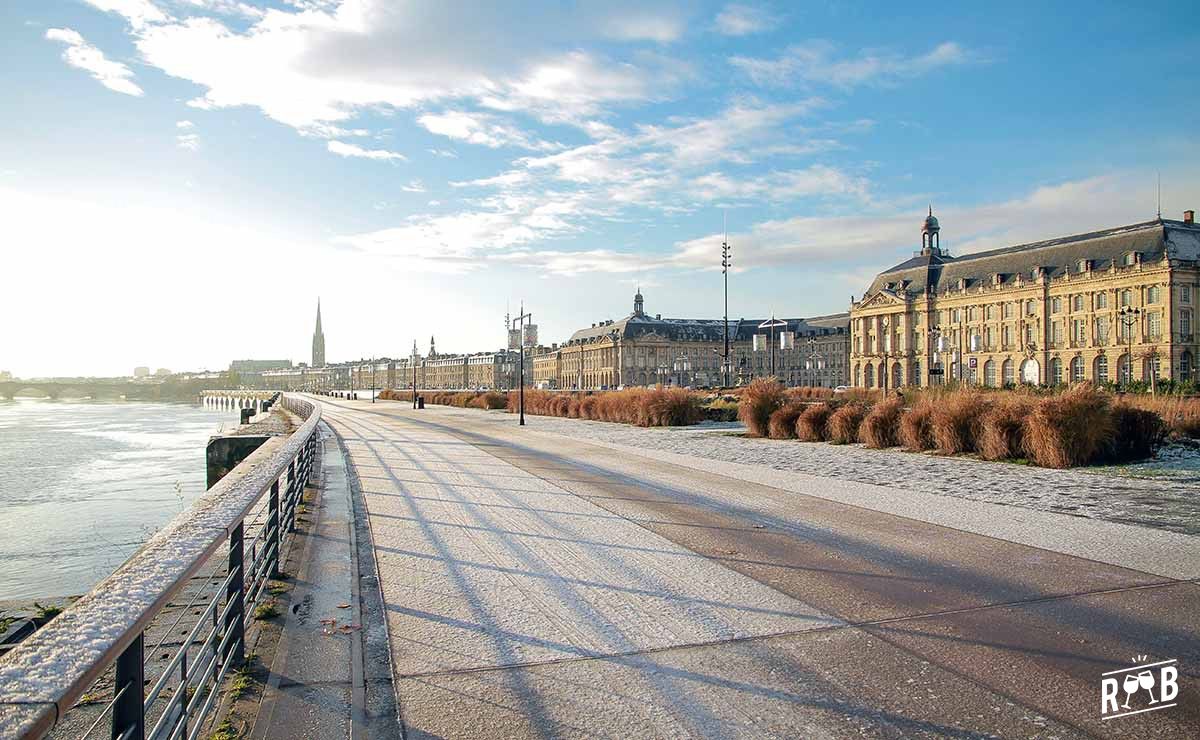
(537, 585)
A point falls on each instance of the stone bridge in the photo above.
(77, 389)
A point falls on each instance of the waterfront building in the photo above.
(1112, 305)
(644, 350)
(546, 366)
(318, 341)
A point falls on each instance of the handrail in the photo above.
(49, 672)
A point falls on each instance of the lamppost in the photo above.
(725, 263)
(520, 322)
(682, 366)
(662, 373)
(373, 364)
(1128, 316)
(935, 336)
(771, 324)
(415, 358)
(815, 361)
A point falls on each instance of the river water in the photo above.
(83, 484)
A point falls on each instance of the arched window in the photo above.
(1124, 370)
(1007, 374)
(1077, 370)
(1056, 374)
(916, 376)
(1185, 366)
(1101, 373)
(989, 373)
(897, 375)
(870, 376)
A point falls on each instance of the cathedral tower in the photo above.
(318, 347)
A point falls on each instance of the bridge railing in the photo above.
(253, 509)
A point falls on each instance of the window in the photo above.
(989, 313)
(1154, 324)
(1056, 332)
(1008, 336)
(1029, 334)
(1131, 258)
(989, 373)
(1077, 303)
(955, 316)
(1127, 332)
(1152, 294)
(988, 338)
(1102, 300)
(1030, 307)
(1077, 370)
(1056, 304)
(1006, 373)
(1185, 294)
(1126, 298)
(1008, 310)
(1056, 376)
(972, 314)
(1101, 369)
(1102, 331)
(1185, 366)
(870, 376)
(1155, 366)
(1079, 331)
(1084, 265)
(1185, 323)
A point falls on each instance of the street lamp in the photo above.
(373, 363)
(520, 322)
(415, 358)
(662, 373)
(771, 324)
(1129, 316)
(682, 365)
(815, 361)
(725, 263)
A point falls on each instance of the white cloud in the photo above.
(82, 55)
(184, 124)
(228, 7)
(350, 150)
(446, 153)
(139, 13)
(737, 19)
(814, 63)
(413, 186)
(191, 142)
(479, 128)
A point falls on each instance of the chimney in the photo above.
(1189, 216)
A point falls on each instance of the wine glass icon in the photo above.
(1131, 685)
(1146, 681)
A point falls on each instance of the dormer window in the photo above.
(1033, 274)
(997, 278)
(1130, 258)
(1085, 265)
(962, 283)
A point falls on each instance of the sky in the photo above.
(180, 180)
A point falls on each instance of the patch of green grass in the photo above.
(266, 610)
(89, 699)
(276, 588)
(46, 613)
(224, 731)
(242, 681)
(6, 622)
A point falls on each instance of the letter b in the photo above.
(1168, 680)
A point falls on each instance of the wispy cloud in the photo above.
(184, 124)
(351, 150)
(82, 55)
(484, 129)
(816, 63)
(191, 142)
(737, 19)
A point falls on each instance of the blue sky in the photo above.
(169, 168)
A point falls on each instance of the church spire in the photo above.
(318, 341)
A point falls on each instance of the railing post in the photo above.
(236, 594)
(128, 716)
(293, 496)
(273, 528)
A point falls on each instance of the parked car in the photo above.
(841, 389)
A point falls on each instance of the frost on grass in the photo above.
(65, 655)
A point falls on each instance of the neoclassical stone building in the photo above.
(644, 350)
(1111, 305)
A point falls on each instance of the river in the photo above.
(83, 484)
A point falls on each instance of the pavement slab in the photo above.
(540, 585)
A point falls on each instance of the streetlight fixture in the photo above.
(520, 322)
(415, 357)
(771, 324)
(682, 366)
(815, 361)
(725, 263)
(1129, 317)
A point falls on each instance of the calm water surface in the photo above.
(83, 484)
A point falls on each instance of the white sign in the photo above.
(760, 342)
(787, 340)
(1157, 682)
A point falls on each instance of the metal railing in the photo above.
(253, 508)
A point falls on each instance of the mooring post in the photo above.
(128, 720)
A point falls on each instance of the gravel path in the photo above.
(1172, 505)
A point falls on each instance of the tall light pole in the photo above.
(373, 363)
(521, 322)
(1129, 317)
(725, 263)
(771, 324)
(682, 366)
(415, 356)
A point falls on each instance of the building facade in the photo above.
(643, 350)
(1116, 305)
(546, 367)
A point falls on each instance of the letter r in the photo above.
(1108, 693)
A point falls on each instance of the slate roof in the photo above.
(1153, 240)
(705, 330)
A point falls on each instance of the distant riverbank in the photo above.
(84, 483)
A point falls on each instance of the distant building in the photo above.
(5, 375)
(1117, 304)
(141, 372)
(318, 341)
(643, 350)
(257, 366)
(162, 372)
